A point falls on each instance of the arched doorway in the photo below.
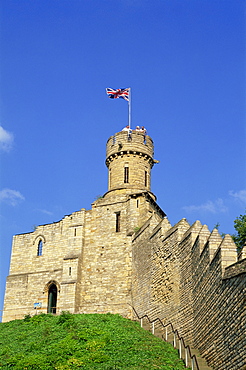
(52, 298)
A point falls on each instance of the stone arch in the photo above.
(39, 243)
(47, 286)
(52, 299)
(39, 237)
(52, 289)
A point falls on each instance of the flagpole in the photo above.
(129, 109)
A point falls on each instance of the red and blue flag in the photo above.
(118, 93)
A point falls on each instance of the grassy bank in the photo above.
(103, 342)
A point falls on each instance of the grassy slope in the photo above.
(105, 342)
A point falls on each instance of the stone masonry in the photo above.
(87, 256)
(192, 278)
(124, 253)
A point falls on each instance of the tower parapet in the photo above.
(129, 159)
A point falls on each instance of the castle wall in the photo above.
(142, 266)
(219, 306)
(84, 255)
(106, 266)
(31, 274)
(86, 258)
(191, 278)
(184, 249)
(156, 266)
(106, 261)
(124, 253)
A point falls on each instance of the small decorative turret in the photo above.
(129, 160)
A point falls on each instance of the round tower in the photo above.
(129, 159)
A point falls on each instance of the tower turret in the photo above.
(129, 160)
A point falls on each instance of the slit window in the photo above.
(70, 271)
(40, 248)
(126, 175)
(109, 177)
(117, 223)
(145, 178)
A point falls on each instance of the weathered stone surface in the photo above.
(88, 254)
(124, 252)
(195, 283)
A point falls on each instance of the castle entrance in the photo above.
(52, 299)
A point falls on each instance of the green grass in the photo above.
(103, 342)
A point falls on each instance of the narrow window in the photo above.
(70, 271)
(75, 231)
(137, 203)
(52, 299)
(40, 248)
(145, 178)
(117, 226)
(126, 175)
(109, 178)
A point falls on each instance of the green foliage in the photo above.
(27, 317)
(217, 226)
(100, 342)
(66, 319)
(240, 237)
(98, 197)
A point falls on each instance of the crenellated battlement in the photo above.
(207, 245)
(135, 142)
(192, 277)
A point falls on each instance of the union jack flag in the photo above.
(118, 93)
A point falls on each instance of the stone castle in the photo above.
(124, 253)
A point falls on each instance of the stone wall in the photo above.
(219, 305)
(191, 278)
(134, 154)
(87, 258)
(124, 252)
(156, 269)
(106, 261)
(88, 255)
(31, 274)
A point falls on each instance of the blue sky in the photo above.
(185, 63)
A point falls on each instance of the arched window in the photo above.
(40, 248)
(52, 299)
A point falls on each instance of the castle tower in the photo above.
(83, 263)
(129, 159)
(124, 253)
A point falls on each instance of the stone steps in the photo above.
(201, 361)
(159, 333)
